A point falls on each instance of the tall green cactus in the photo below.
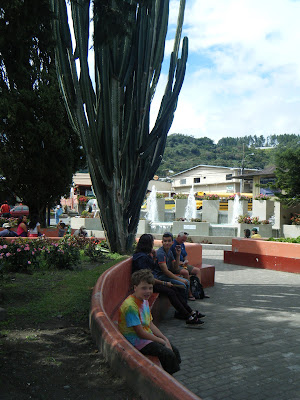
(112, 116)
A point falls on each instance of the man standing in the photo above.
(5, 210)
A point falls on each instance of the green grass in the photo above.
(47, 294)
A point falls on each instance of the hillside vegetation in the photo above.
(183, 152)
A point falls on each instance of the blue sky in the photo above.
(243, 71)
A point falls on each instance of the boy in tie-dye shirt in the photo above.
(135, 323)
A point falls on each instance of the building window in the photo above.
(182, 181)
(228, 177)
(196, 180)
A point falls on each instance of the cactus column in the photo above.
(112, 115)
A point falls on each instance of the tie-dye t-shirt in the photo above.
(134, 312)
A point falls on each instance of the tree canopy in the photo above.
(183, 152)
(39, 152)
(288, 175)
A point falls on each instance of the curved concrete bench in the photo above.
(144, 376)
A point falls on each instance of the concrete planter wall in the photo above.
(192, 228)
(180, 206)
(143, 227)
(91, 224)
(161, 209)
(263, 209)
(265, 231)
(243, 209)
(210, 211)
(291, 231)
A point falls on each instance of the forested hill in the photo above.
(184, 152)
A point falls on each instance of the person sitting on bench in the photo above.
(143, 258)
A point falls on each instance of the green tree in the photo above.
(288, 175)
(111, 115)
(39, 152)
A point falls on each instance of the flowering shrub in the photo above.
(82, 200)
(245, 219)
(160, 196)
(95, 251)
(180, 196)
(262, 197)
(295, 219)
(61, 255)
(19, 255)
(241, 197)
(210, 197)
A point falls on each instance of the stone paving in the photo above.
(249, 346)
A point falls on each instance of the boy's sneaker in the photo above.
(198, 314)
(194, 321)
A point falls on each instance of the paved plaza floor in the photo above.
(249, 346)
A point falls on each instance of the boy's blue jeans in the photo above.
(185, 286)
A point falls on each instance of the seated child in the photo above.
(135, 323)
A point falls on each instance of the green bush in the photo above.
(287, 240)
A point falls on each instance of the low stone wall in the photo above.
(278, 256)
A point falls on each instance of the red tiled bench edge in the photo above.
(141, 373)
(275, 263)
(207, 275)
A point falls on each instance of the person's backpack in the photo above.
(196, 288)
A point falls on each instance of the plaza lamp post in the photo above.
(242, 170)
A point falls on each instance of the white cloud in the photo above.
(243, 73)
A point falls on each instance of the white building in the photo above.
(210, 179)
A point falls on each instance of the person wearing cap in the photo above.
(185, 269)
(255, 234)
(7, 232)
(81, 232)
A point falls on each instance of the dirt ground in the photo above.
(56, 360)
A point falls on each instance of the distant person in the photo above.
(58, 212)
(81, 232)
(22, 226)
(34, 227)
(255, 234)
(7, 232)
(5, 210)
(61, 229)
(136, 325)
(247, 233)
